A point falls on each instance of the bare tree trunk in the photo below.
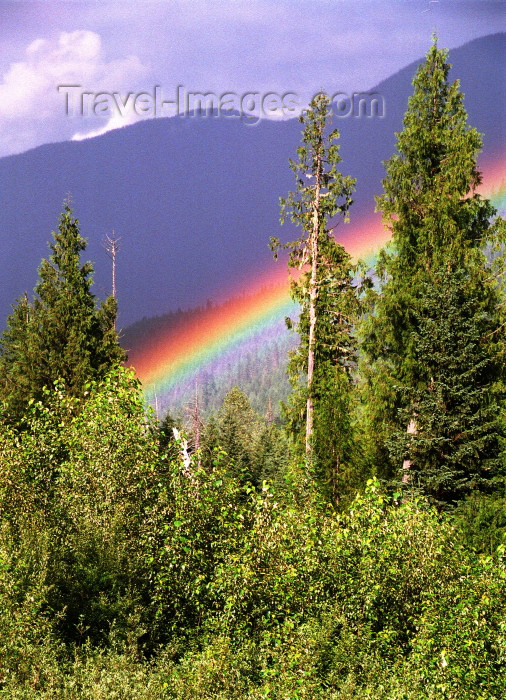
(196, 422)
(156, 403)
(185, 455)
(313, 294)
(111, 244)
(114, 250)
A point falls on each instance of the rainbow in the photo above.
(168, 364)
(215, 336)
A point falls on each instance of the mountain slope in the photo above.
(195, 200)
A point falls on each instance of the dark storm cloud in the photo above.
(258, 45)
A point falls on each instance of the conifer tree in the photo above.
(61, 335)
(320, 369)
(17, 356)
(238, 426)
(271, 456)
(432, 339)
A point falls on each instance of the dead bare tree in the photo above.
(195, 421)
(112, 246)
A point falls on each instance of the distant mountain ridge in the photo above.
(195, 200)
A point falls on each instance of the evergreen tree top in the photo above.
(61, 336)
(321, 188)
(63, 270)
(430, 200)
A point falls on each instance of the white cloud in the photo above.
(32, 110)
(117, 121)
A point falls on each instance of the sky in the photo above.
(115, 50)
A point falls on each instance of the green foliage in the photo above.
(200, 518)
(210, 442)
(166, 434)
(61, 335)
(107, 485)
(480, 522)
(272, 456)
(318, 160)
(460, 650)
(257, 450)
(251, 595)
(456, 447)
(17, 357)
(86, 467)
(238, 427)
(431, 346)
(328, 299)
(29, 649)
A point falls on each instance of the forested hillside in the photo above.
(351, 546)
(257, 366)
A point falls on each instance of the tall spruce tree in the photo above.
(320, 369)
(61, 335)
(432, 341)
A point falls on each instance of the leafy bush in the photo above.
(125, 572)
